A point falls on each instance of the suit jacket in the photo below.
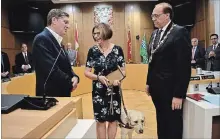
(214, 64)
(199, 57)
(5, 66)
(20, 60)
(45, 52)
(170, 69)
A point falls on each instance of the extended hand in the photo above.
(116, 83)
(177, 103)
(193, 61)
(3, 74)
(75, 82)
(147, 90)
(212, 53)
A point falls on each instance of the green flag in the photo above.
(143, 50)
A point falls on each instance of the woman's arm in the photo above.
(88, 73)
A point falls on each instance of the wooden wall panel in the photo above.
(7, 38)
(4, 17)
(204, 25)
(200, 10)
(210, 21)
(70, 33)
(118, 26)
(88, 24)
(137, 19)
(136, 31)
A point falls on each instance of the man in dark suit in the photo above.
(169, 71)
(213, 54)
(54, 74)
(5, 65)
(198, 55)
(23, 60)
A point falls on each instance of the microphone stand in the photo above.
(38, 103)
(213, 90)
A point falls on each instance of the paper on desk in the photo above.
(213, 99)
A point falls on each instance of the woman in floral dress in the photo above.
(105, 57)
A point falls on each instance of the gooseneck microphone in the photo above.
(214, 90)
(42, 103)
(45, 83)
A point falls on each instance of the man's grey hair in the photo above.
(55, 13)
(195, 39)
(167, 8)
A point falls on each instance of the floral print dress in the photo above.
(106, 100)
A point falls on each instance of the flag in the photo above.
(129, 47)
(143, 50)
(77, 45)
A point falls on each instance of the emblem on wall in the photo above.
(103, 14)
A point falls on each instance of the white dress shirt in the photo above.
(29, 66)
(214, 47)
(193, 52)
(56, 36)
(163, 29)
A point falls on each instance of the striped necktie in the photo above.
(157, 38)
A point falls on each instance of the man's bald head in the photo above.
(162, 14)
(194, 41)
(69, 45)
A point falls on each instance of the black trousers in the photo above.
(169, 122)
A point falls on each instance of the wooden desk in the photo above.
(201, 119)
(34, 124)
(135, 80)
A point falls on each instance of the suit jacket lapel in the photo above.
(196, 52)
(151, 41)
(167, 37)
(167, 29)
(50, 35)
(57, 45)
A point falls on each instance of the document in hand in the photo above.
(116, 75)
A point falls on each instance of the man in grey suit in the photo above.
(213, 54)
(71, 54)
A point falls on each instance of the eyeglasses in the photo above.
(156, 15)
(96, 33)
(214, 38)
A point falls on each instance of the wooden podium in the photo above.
(41, 124)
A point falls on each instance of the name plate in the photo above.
(203, 77)
(193, 78)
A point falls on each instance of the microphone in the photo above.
(45, 83)
(214, 90)
(38, 103)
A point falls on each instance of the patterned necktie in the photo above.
(157, 38)
(214, 47)
(26, 58)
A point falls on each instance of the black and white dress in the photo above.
(101, 95)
